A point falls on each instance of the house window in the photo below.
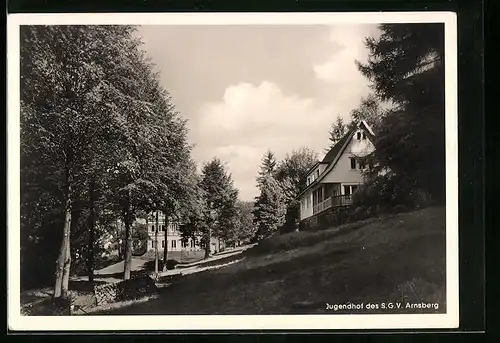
(163, 227)
(364, 135)
(350, 189)
(174, 243)
(358, 136)
(152, 228)
(163, 244)
(353, 163)
(317, 173)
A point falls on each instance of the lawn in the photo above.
(397, 258)
(179, 256)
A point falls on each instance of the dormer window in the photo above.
(364, 135)
(358, 136)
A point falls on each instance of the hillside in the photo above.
(397, 258)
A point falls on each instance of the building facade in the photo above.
(332, 181)
(169, 236)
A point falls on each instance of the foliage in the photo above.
(269, 208)
(99, 135)
(370, 110)
(406, 67)
(268, 166)
(337, 131)
(139, 239)
(218, 218)
(291, 173)
(245, 221)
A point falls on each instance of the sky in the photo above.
(246, 89)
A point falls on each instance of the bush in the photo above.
(387, 193)
(291, 218)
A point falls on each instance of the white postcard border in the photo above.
(242, 322)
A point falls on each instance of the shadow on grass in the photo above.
(84, 286)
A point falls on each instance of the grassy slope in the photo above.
(396, 258)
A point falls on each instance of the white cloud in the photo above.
(249, 119)
(340, 72)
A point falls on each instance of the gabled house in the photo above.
(332, 181)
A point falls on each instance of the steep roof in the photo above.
(334, 151)
(333, 155)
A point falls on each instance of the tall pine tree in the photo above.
(406, 67)
(337, 131)
(269, 207)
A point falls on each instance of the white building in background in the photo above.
(332, 181)
(170, 237)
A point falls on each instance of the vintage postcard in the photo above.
(234, 171)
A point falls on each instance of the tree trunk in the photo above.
(118, 240)
(207, 244)
(62, 267)
(165, 249)
(60, 264)
(66, 271)
(156, 243)
(128, 248)
(90, 258)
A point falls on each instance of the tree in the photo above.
(269, 209)
(337, 131)
(370, 110)
(245, 222)
(63, 116)
(97, 128)
(270, 205)
(291, 173)
(183, 192)
(156, 150)
(268, 166)
(219, 196)
(406, 67)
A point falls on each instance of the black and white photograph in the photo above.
(232, 171)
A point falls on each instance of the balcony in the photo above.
(336, 201)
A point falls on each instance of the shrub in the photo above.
(388, 193)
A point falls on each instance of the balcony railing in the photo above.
(336, 201)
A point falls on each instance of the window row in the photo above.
(360, 135)
(175, 243)
(172, 227)
(313, 177)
